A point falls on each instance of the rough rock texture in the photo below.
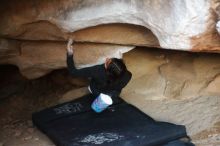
(181, 25)
(37, 58)
(177, 87)
(35, 32)
(177, 74)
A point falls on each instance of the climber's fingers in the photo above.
(69, 46)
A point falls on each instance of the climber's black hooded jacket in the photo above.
(98, 78)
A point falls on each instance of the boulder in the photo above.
(178, 87)
(37, 58)
(173, 86)
(181, 25)
(33, 34)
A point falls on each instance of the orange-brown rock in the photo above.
(43, 27)
(37, 58)
(179, 87)
(180, 25)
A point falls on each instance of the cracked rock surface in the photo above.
(180, 25)
(178, 87)
(34, 33)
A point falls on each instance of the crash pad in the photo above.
(76, 124)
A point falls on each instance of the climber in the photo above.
(108, 78)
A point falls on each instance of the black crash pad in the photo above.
(76, 124)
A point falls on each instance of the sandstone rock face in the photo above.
(177, 87)
(181, 25)
(43, 27)
(36, 59)
(171, 86)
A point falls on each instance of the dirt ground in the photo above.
(19, 98)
